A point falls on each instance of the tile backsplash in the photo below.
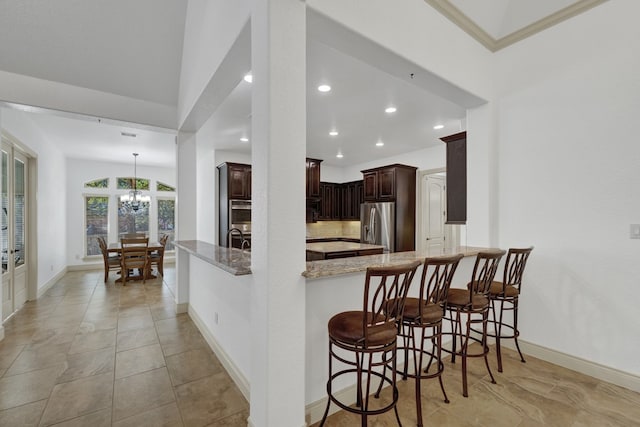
(334, 229)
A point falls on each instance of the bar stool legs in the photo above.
(365, 342)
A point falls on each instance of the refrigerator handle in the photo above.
(372, 225)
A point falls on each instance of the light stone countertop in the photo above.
(232, 260)
(238, 262)
(333, 267)
(326, 247)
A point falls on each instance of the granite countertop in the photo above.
(232, 260)
(333, 267)
(340, 246)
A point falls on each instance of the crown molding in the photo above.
(456, 16)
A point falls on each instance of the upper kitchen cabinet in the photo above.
(235, 181)
(456, 178)
(352, 197)
(384, 184)
(313, 178)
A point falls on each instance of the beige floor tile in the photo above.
(180, 342)
(100, 418)
(135, 322)
(135, 338)
(209, 399)
(137, 360)
(179, 323)
(236, 420)
(29, 387)
(141, 392)
(86, 364)
(24, 416)
(31, 359)
(192, 365)
(48, 337)
(8, 354)
(165, 416)
(93, 341)
(78, 398)
(98, 324)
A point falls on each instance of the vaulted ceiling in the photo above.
(134, 49)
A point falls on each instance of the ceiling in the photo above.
(134, 49)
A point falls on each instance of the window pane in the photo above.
(19, 211)
(98, 183)
(97, 220)
(164, 187)
(166, 221)
(130, 221)
(127, 183)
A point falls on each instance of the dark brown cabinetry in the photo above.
(395, 183)
(456, 178)
(380, 184)
(234, 184)
(313, 178)
(235, 180)
(340, 201)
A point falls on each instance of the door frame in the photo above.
(31, 219)
(452, 235)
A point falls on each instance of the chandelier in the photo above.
(135, 197)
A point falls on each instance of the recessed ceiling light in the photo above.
(324, 88)
(339, 155)
(248, 78)
(390, 110)
(333, 133)
(436, 127)
(244, 139)
(379, 144)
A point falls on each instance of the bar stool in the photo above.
(426, 313)
(365, 340)
(508, 292)
(472, 302)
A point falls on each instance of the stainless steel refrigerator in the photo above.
(377, 224)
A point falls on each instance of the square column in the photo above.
(278, 57)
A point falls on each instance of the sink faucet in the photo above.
(230, 232)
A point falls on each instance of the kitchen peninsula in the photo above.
(340, 249)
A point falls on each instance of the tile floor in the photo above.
(90, 354)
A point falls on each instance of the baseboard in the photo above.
(231, 368)
(250, 423)
(583, 366)
(44, 288)
(85, 267)
(182, 308)
(1, 333)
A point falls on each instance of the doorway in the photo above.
(14, 234)
(434, 235)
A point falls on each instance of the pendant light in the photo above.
(135, 195)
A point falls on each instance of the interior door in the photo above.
(14, 232)
(434, 208)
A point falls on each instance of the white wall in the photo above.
(80, 171)
(211, 28)
(569, 173)
(51, 193)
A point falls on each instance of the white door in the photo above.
(14, 233)
(434, 214)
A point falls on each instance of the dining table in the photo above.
(116, 248)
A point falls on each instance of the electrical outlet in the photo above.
(634, 231)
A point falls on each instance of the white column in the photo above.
(278, 56)
(186, 211)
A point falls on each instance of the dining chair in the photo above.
(110, 262)
(157, 257)
(134, 256)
